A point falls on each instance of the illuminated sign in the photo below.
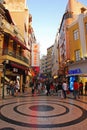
(75, 71)
(35, 55)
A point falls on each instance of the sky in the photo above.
(46, 18)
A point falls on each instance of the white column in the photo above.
(82, 34)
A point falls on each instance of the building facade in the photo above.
(43, 67)
(78, 46)
(49, 61)
(16, 37)
(73, 9)
(55, 57)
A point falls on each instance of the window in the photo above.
(77, 55)
(86, 27)
(68, 15)
(76, 34)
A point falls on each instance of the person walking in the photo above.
(48, 87)
(76, 89)
(52, 88)
(81, 88)
(23, 88)
(85, 88)
(60, 90)
(8, 88)
(65, 88)
(12, 85)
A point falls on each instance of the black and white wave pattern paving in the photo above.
(41, 113)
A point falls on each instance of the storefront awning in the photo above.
(19, 66)
(17, 41)
(20, 43)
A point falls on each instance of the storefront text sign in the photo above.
(75, 71)
(35, 55)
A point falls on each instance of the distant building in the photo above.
(49, 61)
(43, 64)
(55, 57)
(46, 63)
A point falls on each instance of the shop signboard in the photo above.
(35, 55)
(75, 71)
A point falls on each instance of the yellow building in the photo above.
(85, 29)
(78, 47)
(21, 17)
(13, 62)
(73, 9)
(23, 20)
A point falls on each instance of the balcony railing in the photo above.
(11, 29)
(13, 54)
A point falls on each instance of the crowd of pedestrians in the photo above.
(59, 88)
(13, 87)
(50, 88)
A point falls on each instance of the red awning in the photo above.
(20, 43)
(19, 66)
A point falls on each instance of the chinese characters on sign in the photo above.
(35, 55)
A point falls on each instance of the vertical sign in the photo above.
(35, 55)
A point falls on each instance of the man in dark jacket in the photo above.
(48, 87)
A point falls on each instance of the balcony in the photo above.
(11, 29)
(13, 54)
(72, 62)
(13, 32)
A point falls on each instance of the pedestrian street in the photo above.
(43, 113)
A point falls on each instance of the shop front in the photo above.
(77, 71)
(12, 72)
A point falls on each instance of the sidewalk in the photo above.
(20, 94)
(28, 92)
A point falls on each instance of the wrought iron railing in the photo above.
(13, 54)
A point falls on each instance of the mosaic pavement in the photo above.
(43, 113)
